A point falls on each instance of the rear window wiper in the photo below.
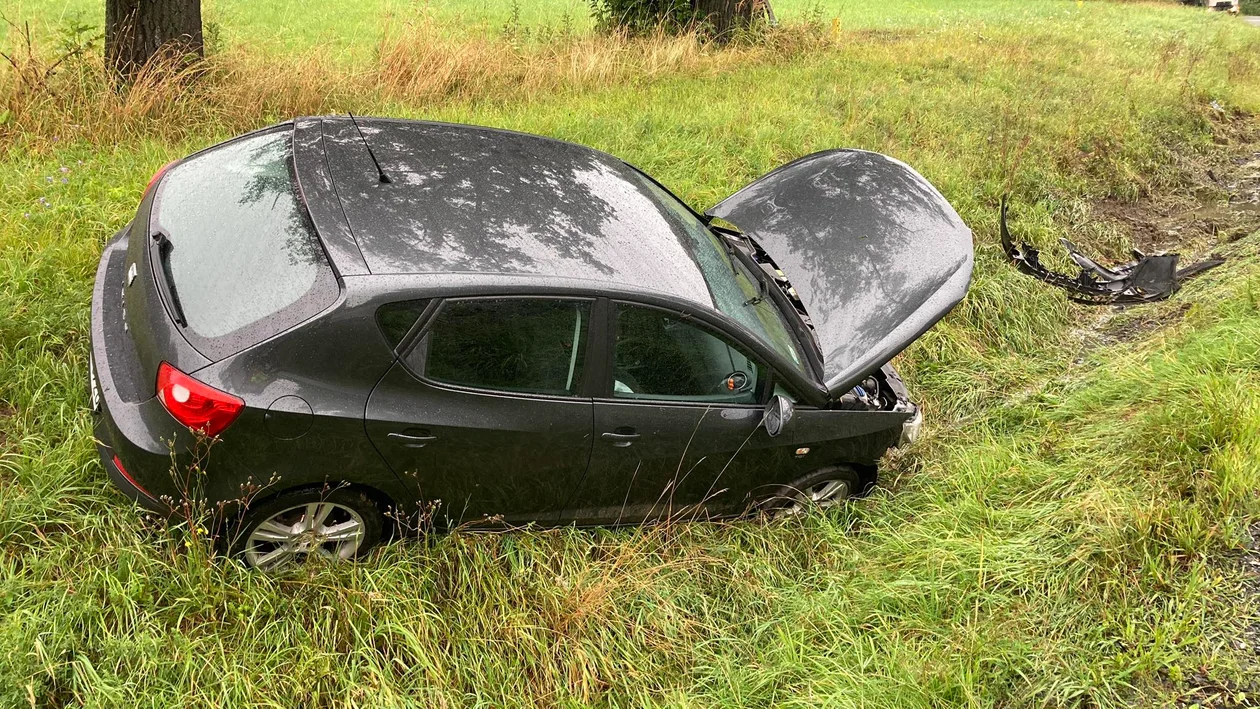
(164, 247)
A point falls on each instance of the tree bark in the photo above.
(136, 31)
(725, 16)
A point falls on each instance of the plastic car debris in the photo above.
(1147, 278)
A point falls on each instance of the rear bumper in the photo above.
(127, 423)
(147, 454)
(121, 478)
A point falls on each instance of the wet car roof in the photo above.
(465, 199)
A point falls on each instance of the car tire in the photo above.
(278, 533)
(827, 487)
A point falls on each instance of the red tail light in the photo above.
(196, 405)
(158, 175)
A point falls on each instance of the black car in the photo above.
(340, 318)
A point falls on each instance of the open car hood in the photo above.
(875, 252)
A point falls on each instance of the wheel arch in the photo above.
(231, 517)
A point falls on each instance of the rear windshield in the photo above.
(244, 261)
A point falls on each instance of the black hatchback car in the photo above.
(365, 316)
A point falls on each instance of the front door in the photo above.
(678, 430)
(483, 415)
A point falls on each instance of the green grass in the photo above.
(1065, 536)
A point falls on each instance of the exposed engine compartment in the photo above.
(869, 396)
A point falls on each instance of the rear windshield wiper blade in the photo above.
(164, 247)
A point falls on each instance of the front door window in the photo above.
(661, 356)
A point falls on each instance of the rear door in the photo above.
(678, 429)
(483, 414)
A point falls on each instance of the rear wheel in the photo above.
(820, 490)
(336, 525)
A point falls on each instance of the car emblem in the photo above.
(131, 274)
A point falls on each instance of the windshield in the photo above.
(736, 290)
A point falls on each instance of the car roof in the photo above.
(465, 200)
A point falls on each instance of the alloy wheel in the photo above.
(328, 529)
(821, 495)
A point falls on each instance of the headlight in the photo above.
(910, 429)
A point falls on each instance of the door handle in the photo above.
(410, 441)
(620, 440)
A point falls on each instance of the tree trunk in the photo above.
(136, 31)
(725, 16)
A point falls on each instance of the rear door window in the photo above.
(525, 345)
(244, 258)
(397, 319)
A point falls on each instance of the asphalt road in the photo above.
(1253, 20)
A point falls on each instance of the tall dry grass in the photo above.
(44, 96)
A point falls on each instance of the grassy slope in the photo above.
(1061, 538)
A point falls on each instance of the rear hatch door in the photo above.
(223, 255)
(150, 332)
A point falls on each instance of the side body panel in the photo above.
(715, 461)
(677, 459)
(687, 460)
(485, 457)
(305, 393)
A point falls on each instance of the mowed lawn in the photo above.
(1069, 533)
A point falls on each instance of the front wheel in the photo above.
(819, 490)
(336, 524)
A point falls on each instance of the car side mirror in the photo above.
(777, 415)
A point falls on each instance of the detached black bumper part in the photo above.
(1147, 278)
